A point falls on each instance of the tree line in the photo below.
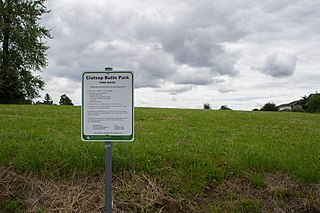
(309, 103)
(64, 100)
(223, 107)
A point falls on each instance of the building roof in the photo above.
(293, 103)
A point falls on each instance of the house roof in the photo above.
(293, 103)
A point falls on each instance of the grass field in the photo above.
(188, 154)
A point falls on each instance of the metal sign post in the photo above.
(107, 114)
(108, 177)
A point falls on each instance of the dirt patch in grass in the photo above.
(279, 193)
(37, 194)
(132, 192)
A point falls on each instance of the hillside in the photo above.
(181, 160)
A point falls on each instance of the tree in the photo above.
(47, 99)
(224, 107)
(65, 100)
(313, 103)
(22, 49)
(269, 107)
(303, 101)
(206, 106)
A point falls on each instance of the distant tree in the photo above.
(303, 101)
(65, 100)
(22, 49)
(255, 109)
(206, 106)
(47, 99)
(313, 103)
(224, 107)
(269, 107)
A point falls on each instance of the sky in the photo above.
(184, 53)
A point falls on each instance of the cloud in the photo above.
(173, 89)
(153, 68)
(186, 45)
(197, 37)
(190, 76)
(154, 43)
(226, 89)
(278, 65)
(202, 52)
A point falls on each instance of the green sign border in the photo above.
(103, 138)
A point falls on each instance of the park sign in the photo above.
(107, 106)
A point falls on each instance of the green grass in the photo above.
(10, 206)
(189, 149)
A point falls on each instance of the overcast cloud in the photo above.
(279, 65)
(188, 52)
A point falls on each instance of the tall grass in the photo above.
(189, 149)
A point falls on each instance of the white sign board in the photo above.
(107, 106)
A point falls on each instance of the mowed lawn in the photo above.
(189, 151)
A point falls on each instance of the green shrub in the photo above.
(206, 106)
(224, 107)
(269, 107)
(313, 103)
